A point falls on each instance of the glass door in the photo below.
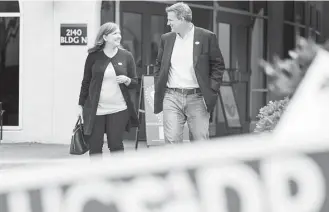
(142, 24)
(233, 37)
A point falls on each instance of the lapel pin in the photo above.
(197, 42)
(120, 64)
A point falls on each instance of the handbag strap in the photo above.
(78, 121)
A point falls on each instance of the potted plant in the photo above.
(270, 115)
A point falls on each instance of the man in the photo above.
(188, 72)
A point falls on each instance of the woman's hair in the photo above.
(105, 29)
(181, 10)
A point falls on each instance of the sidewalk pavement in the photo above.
(18, 154)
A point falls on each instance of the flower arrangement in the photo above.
(284, 77)
(270, 115)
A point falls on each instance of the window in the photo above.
(239, 5)
(258, 83)
(289, 11)
(9, 61)
(294, 24)
(132, 36)
(107, 11)
(9, 7)
(202, 18)
(288, 39)
(300, 12)
(158, 24)
(205, 3)
(314, 21)
(259, 6)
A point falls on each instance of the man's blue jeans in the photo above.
(179, 108)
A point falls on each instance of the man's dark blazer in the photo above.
(208, 65)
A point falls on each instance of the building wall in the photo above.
(50, 74)
(36, 35)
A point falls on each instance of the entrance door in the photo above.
(142, 24)
(233, 38)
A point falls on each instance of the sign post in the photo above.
(228, 102)
(154, 122)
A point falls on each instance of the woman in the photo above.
(105, 102)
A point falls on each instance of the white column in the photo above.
(69, 63)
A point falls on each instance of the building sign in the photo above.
(73, 34)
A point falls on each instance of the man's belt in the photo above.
(186, 91)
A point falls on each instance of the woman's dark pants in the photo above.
(114, 126)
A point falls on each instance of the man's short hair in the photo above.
(182, 11)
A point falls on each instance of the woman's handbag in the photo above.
(79, 145)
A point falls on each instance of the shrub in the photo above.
(270, 115)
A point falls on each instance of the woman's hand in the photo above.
(123, 79)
